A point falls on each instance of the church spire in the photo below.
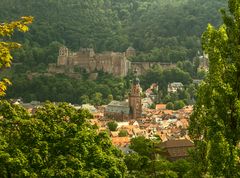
(135, 103)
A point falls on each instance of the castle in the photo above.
(116, 63)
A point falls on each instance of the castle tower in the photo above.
(130, 52)
(134, 98)
(63, 56)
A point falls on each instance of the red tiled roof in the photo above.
(120, 140)
(160, 106)
(177, 143)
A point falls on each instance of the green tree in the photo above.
(170, 105)
(182, 167)
(112, 126)
(57, 141)
(142, 146)
(178, 104)
(148, 162)
(84, 99)
(133, 162)
(109, 98)
(123, 133)
(215, 122)
(153, 75)
(97, 98)
(7, 30)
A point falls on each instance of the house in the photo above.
(114, 133)
(120, 141)
(147, 102)
(89, 107)
(160, 106)
(117, 110)
(122, 124)
(125, 110)
(176, 149)
(174, 87)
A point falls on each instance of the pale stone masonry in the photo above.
(116, 63)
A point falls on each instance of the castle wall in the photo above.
(142, 67)
(110, 62)
(62, 60)
(53, 68)
(104, 62)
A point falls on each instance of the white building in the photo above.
(174, 87)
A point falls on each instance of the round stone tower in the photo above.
(63, 56)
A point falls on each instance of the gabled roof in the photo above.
(118, 103)
(161, 106)
(177, 143)
(120, 140)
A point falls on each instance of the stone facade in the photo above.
(203, 63)
(115, 63)
(118, 110)
(174, 87)
(142, 67)
(175, 149)
(135, 103)
(124, 110)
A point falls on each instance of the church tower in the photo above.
(134, 98)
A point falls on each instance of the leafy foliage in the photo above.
(57, 141)
(112, 126)
(147, 161)
(123, 133)
(215, 122)
(6, 30)
(61, 88)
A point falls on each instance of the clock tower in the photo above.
(134, 99)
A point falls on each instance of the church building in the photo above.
(131, 109)
(134, 99)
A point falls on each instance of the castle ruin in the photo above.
(115, 63)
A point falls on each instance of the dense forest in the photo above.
(160, 30)
(170, 28)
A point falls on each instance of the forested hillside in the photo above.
(170, 29)
(160, 30)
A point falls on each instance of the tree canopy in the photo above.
(56, 141)
(6, 30)
(215, 123)
(146, 161)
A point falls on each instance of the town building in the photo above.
(203, 63)
(131, 109)
(135, 103)
(176, 149)
(174, 87)
(117, 110)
